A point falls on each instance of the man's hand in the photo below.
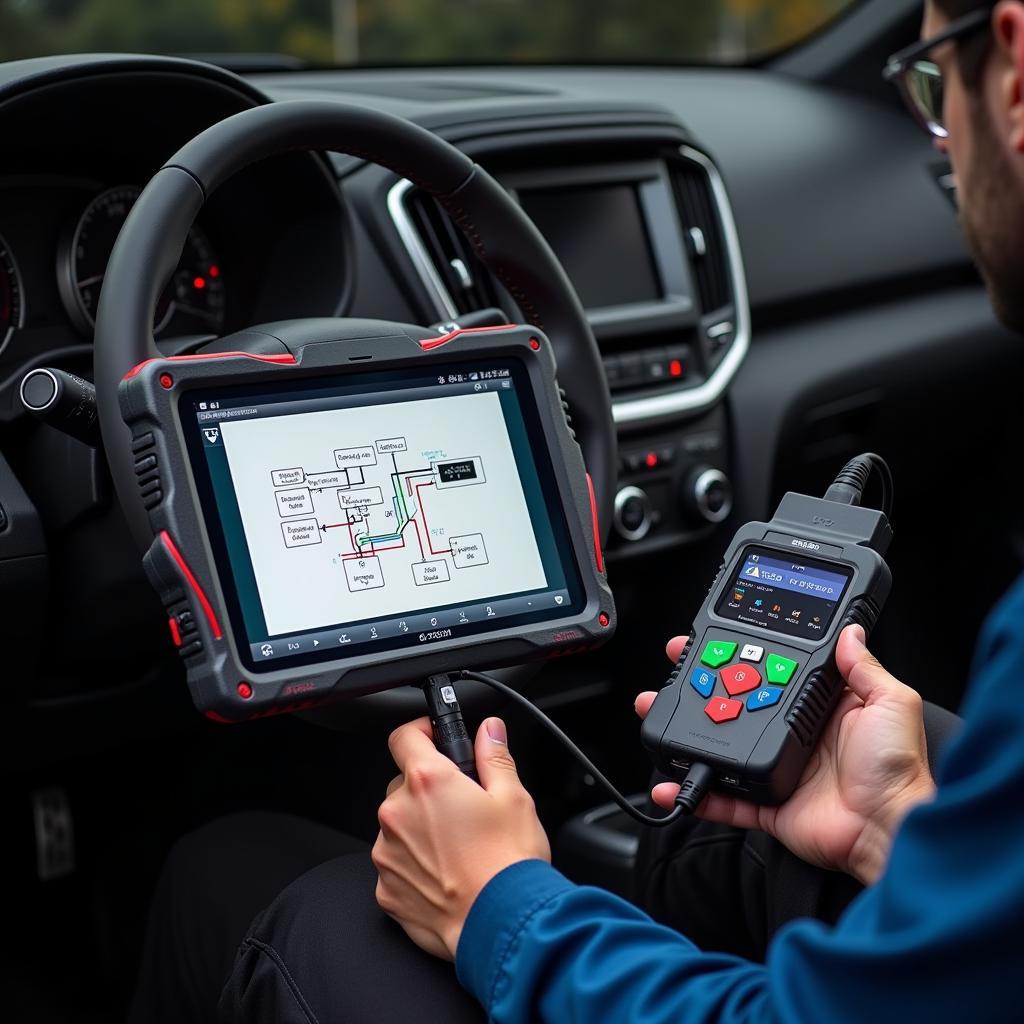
(443, 837)
(869, 770)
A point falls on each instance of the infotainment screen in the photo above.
(775, 592)
(599, 234)
(376, 511)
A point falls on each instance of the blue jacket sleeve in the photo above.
(936, 940)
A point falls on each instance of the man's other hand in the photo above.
(869, 770)
(443, 837)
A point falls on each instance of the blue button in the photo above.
(703, 681)
(766, 697)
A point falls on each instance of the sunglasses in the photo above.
(919, 80)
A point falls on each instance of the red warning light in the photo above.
(214, 270)
(535, 344)
(244, 691)
(651, 460)
(199, 283)
(675, 368)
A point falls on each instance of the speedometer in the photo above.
(10, 294)
(192, 302)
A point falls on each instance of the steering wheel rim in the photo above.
(503, 237)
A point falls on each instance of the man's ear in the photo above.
(1008, 30)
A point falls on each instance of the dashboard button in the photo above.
(677, 361)
(632, 514)
(656, 365)
(751, 652)
(707, 494)
(631, 369)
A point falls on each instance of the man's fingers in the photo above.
(395, 783)
(411, 740)
(727, 810)
(664, 794)
(859, 667)
(674, 648)
(642, 705)
(494, 763)
(724, 810)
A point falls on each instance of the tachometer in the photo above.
(10, 294)
(192, 302)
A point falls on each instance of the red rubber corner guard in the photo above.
(204, 601)
(429, 343)
(598, 553)
(284, 358)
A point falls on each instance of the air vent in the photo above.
(463, 278)
(704, 237)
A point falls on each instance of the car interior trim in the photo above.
(632, 410)
(429, 278)
(690, 400)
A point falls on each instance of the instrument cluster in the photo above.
(192, 303)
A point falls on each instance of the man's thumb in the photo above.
(859, 667)
(494, 763)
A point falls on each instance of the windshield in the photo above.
(339, 32)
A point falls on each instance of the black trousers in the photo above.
(262, 918)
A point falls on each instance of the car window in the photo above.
(333, 32)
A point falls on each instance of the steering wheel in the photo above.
(151, 241)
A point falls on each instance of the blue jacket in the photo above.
(939, 938)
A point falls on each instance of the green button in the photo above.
(717, 652)
(779, 670)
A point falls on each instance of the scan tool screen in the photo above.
(376, 511)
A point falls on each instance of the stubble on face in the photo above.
(992, 216)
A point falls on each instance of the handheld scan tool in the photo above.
(757, 681)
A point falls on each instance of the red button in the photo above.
(740, 679)
(172, 625)
(721, 710)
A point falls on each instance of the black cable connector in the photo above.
(451, 737)
(848, 486)
(694, 788)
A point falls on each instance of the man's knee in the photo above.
(323, 950)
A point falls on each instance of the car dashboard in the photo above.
(758, 279)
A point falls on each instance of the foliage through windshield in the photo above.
(331, 32)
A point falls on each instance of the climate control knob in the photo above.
(707, 494)
(633, 514)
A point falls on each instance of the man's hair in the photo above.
(973, 52)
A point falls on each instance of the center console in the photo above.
(640, 220)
